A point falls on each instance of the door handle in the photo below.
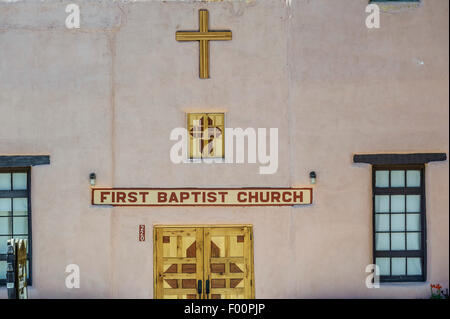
(199, 287)
(207, 288)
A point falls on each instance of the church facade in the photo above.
(225, 149)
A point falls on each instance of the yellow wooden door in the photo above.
(179, 263)
(203, 262)
(229, 263)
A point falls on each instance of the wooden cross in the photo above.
(203, 36)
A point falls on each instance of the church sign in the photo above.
(201, 196)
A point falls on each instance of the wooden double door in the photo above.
(203, 262)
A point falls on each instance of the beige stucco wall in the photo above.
(104, 98)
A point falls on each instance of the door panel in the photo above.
(220, 259)
(228, 263)
(179, 262)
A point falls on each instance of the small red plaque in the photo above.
(141, 232)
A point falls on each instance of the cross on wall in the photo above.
(203, 36)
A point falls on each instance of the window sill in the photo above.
(397, 6)
(217, 160)
(404, 284)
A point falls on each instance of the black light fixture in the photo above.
(93, 179)
(312, 177)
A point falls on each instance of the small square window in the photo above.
(382, 222)
(399, 266)
(382, 203)
(412, 222)
(397, 178)
(5, 207)
(385, 266)
(414, 267)
(413, 178)
(398, 241)
(398, 203)
(20, 181)
(413, 203)
(5, 226)
(5, 181)
(206, 135)
(382, 241)
(413, 241)
(3, 265)
(20, 206)
(398, 222)
(382, 179)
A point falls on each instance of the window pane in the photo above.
(5, 206)
(398, 241)
(20, 206)
(413, 203)
(397, 203)
(414, 267)
(20, 225)
(413, 241)
(195, 127)
(3, 241)
(215, 131)
(413, 222)
(381, 203)
(381, 178)
(397, 178)
(3, 269)
(398, 266)
(217, 147)
(5, 181)
(381, 241)
(385, 266)
(382, 222)
(5, 226)
(413, 178)
(19, 181)
(398, 222)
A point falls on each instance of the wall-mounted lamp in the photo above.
(312, 177)
(93, 179)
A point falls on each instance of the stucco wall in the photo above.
(105, 97)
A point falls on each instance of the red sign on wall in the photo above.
(141, 232)
(202, 196)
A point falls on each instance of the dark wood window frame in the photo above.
(409, 161)
(20, 193)
(422, 253)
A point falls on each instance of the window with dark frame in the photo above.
(15, 213)
(399, 222)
